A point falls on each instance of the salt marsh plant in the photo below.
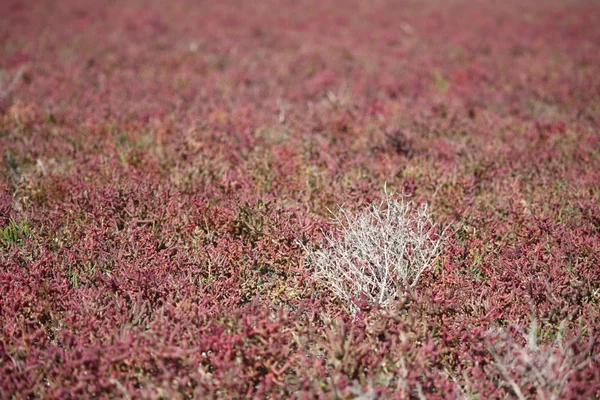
(377, 253)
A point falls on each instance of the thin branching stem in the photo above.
(385, 248)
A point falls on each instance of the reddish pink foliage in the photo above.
(161, 160)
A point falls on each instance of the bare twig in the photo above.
(384, 249)
(543, 369)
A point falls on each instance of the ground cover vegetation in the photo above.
(170, 170)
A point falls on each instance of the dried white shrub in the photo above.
(534, 369)
(378, 253)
